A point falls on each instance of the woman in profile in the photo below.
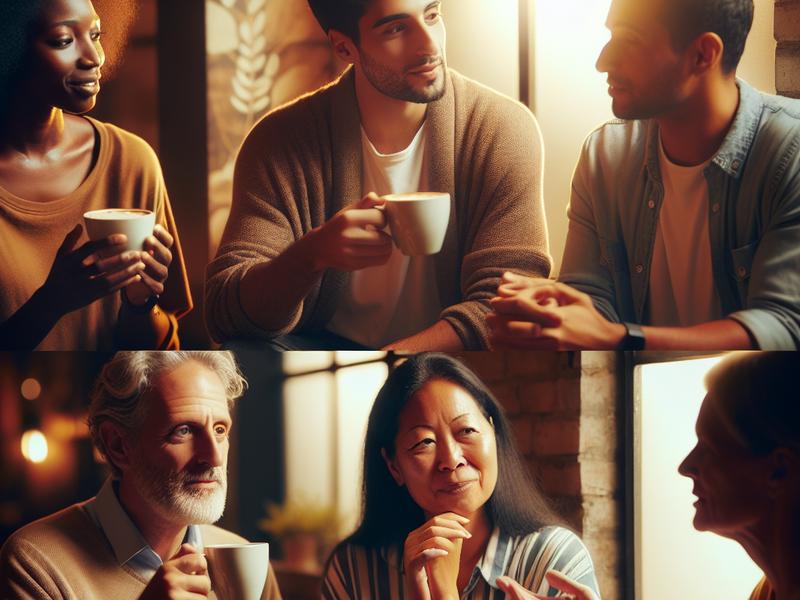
(59, 291)
(449, 509)
(746, 464)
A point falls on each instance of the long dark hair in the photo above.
(388, 512)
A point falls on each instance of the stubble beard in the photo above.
(171, 498)
(395, 84)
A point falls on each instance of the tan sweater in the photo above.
(127, 175)
(302, 163)
(65, 556)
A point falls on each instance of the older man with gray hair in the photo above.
(161, 419)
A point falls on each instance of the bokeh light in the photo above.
(34, 446)
(31, 389)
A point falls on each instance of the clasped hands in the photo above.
(540, 314)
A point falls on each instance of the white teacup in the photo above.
(238, 571)
(418, 221)
(136, 223)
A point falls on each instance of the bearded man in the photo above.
(161, 419)
(304, 263)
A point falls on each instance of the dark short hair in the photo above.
(729, 19)
(17, 28)
(341, 15)
(758, 397)
(388, 512)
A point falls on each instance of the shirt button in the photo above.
(735, 165)
(651, 204)
(715, 208)
(639, 268)
(742, 271)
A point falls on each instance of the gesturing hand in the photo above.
(572, 589)
(183, 577)
(80, 276)
(156, 257)
(437, 542)
(352, 239)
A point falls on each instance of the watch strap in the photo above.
(634, 338)
(144, 309)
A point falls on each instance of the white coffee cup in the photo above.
(135, 223)
(238, 571)
(418, 221)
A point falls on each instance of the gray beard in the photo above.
(168, 496)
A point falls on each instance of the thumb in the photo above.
(68, 245)
(185, 550)
(369, 201)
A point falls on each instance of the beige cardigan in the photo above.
(66, 557)
(302, 163)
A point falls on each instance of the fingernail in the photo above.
(127, 256)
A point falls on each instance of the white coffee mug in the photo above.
(238, 571)
(418, 221)
(135, 223)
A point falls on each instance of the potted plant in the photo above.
(304, 527)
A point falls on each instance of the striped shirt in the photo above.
(358, 573)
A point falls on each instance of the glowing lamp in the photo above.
(34, 446)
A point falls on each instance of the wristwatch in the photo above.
(144, 309)
(634, 338)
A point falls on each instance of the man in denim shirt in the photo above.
(685, 211)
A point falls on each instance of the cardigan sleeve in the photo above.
(278, 196)
(499, 201)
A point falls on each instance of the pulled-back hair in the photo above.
(388, 512)
(17, 28)
(758, 396)
(120, 394)
(729, 19)
(341, 15)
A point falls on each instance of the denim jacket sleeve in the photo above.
(597, 259)
(590, 264)
(767, 270)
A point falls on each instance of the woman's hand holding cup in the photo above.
(431, 558)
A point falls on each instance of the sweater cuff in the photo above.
(468, 319)
(236, 324)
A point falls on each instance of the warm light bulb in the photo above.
(31, 389)
(34, 446)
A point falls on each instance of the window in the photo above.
(326, 400)
(671, 557)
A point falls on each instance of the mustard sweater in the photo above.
(302, 163)
(127, 175)
(66, 557)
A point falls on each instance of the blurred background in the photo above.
(602, 432)
(296, 443)
(197, 75)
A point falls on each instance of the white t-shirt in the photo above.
(398, 299)
(682, 287)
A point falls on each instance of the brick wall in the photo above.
(566, 412)
(787, 53)
(602, 467)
